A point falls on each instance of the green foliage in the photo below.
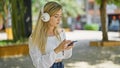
(6, 42)
(98, 1)
(91, 27)
(116, 2)
(36, 6)
(70, 7)
(12, 42)
(17, 9)
(65, 25)
(1, 6)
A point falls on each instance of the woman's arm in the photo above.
(39, 60)
(67, 53)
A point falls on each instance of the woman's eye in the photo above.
(56, 16)
(60, 16)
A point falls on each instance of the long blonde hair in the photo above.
(39, 35)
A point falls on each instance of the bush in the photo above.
(6, 42)
(91, 27)
(12, 42)
(65, 25)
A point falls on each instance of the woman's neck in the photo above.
(51, 31)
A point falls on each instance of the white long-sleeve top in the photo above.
(47, 60)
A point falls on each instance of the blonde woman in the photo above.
(47, 44)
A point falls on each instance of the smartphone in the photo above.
(71, 43)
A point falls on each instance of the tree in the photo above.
(1, 12)
(103, 14)
(18, 12)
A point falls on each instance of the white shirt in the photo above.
(47, 60)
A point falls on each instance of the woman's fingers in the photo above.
(69, 47)
(64, 45)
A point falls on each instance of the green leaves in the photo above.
(1, 6)
(70, 7)
(116, 2)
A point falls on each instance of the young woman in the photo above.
(47, 44)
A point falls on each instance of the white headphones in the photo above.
(45, 17)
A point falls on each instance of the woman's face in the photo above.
(55, 19)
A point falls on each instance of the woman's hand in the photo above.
(69, 47)
(63, 46)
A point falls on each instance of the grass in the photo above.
(12, 42)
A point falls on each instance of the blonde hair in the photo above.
(39, 35)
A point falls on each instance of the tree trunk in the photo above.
(1, 21)
(14, 19)
(18, 26)
(103, 20)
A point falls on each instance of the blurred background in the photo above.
(89, 19)
(20, 17)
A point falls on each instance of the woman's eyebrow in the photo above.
(58, 14)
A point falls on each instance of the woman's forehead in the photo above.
(59, 12)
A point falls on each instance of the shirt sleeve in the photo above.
(67, 53)
(39, 60)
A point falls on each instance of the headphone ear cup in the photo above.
(45, 17)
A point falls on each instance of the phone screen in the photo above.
(71, 43)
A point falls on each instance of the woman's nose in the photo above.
(59, 19)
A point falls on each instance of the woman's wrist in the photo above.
(56, 50)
